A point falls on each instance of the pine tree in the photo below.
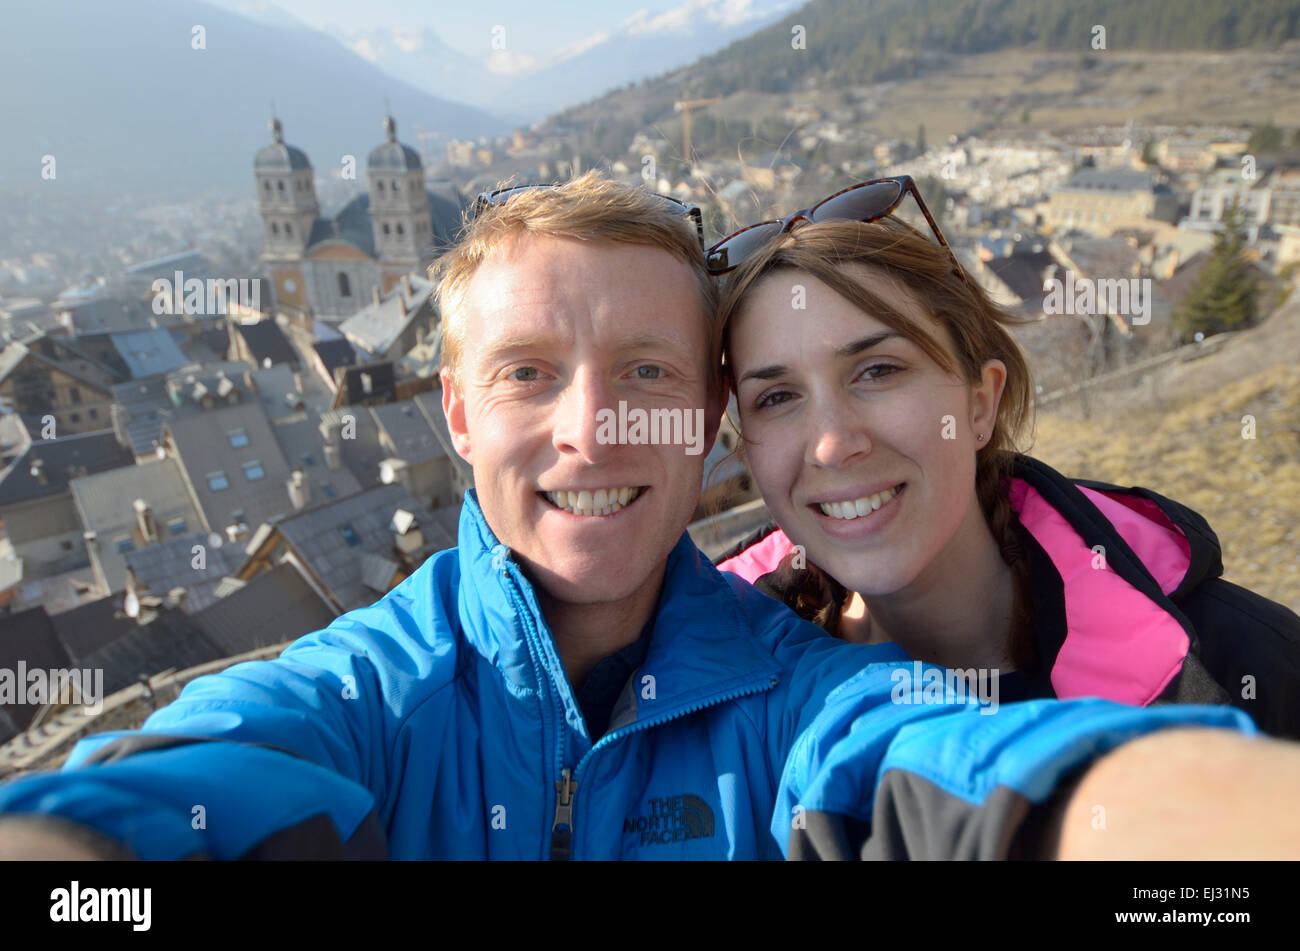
(1225, 292)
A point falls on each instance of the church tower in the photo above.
(399, 207)
(286, 190)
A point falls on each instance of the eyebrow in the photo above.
(848, 350)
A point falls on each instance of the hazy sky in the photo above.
(467, 25)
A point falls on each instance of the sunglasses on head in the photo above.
(866, 201)
(500, 196)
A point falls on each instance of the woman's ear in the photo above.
(985, 397)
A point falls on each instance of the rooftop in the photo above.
(60, 460)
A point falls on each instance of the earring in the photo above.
(980, 437)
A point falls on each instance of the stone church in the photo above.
(329, 268)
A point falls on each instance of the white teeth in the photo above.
(589, 502)
(858, 507)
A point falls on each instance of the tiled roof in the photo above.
(170, 564)
(265, 341)
(149, 352)
(335, 353)
(375, 328)
(27, 636)
(273, 606)
(332, 537)
(62, 459)
(106, 505)
(88, 627)
(362, 453)
(203, 445)
(408, 430)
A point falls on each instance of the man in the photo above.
(576, 679)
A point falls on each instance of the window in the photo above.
(397, 187)
(400, 229)
(253, 471)
(328, 490)
(308, 459)
(288, 229)
(217, 481)
(93, 413)
(345, 287)
(350, 536)
(65, 545)
(74, 394)
(75, 417)
(266, 186)
(237, 516)
(380, 183)
(238, 438)
(176, 526)
(386, 229)
(124, 544)
(279, 186)
(275, 228)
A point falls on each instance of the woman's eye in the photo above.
(878, 371)
(525, 374)
(773, 399)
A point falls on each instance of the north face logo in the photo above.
(672, 819)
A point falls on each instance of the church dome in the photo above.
(393, 156)
(278, 157)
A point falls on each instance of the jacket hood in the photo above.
(1124, 557)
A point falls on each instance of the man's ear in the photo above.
(985, 397)
(453, 407)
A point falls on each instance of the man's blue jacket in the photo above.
(438, 723)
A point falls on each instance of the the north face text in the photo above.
(672, 819)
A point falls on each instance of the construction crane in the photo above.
(685, 107)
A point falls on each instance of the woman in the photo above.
(881, 402)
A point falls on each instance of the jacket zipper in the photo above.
(562, 828)
(610, 738)
(566, 787)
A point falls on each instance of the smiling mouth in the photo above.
(589, 503)
(858, 508)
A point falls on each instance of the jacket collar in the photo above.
(701, 646)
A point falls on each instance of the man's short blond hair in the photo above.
(589, 208)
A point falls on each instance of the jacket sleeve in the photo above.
(885, 758)
(285, 758)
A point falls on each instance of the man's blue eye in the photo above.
(530, 374)
(649, 372)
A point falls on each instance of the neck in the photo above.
(585, 634)
(956, 613)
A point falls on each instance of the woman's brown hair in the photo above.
(977, 328)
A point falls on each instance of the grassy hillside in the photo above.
(1187, 444)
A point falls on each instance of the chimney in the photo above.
(406, 282)
(92, 540)
(199, 392)
(297, 380)
(299, 490)
(375, 295)
(38, 472)
(407, 535)
(224, 386)
(177, 597)
(333, 456)
(147, 524)
(401, 305)
(395, 470)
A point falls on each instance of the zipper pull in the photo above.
(562, 829)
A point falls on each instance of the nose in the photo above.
(576, 424)
(837, 434)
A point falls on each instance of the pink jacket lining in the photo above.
(1118, 644)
